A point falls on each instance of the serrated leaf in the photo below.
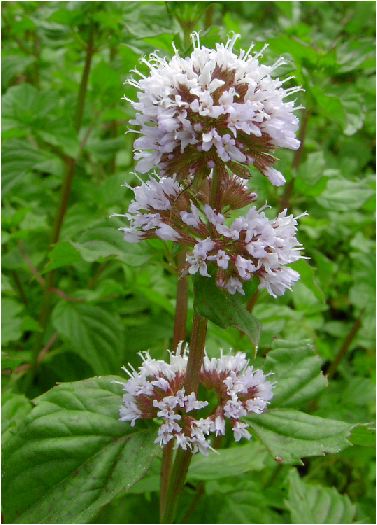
(312, 169)
(144, 20)
(24, 107)
(345, 195)
(13, 65)
(92, 332)
(62, 254)
(354, 111)
(316, 504)
(309, 278)
(290, 435)
(244, 500)
(224, 309)
(297, 373)
(72, 455)
(228, 462)
(19, 158)
(328, 105)
(14, 409)
(240, 507)
(11, 320)
(99, 243)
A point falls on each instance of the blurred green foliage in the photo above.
(78, 301)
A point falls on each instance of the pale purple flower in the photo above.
(156, 390)
(223, 105)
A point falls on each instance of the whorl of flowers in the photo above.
(250, 246)
(157, 390)
(213, 108)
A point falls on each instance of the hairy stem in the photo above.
(183, 457)
(165, 475)
(195, 358)
(177, 480)
(252, 301)
(179, 335)
(84, 79)
(194, 364)
(64, 197)
(216, 194)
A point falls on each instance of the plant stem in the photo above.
(84, 79)
(345, 347)
(183, 457)
(165, 474)
(195, 358)
(216, 194)
(199, 493)
(64, 197)
(194, 364)
(177, 480)
(252, 301)
(179, 335)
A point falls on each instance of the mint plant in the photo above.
(187, 311)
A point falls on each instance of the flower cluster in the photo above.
(250, 246)
(213, 108)
(157, 390)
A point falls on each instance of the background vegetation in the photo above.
(78, 301)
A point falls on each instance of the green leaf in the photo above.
(11, 321)
(354, 111)
(240, 508)
(245, 501)
(300, 51)
(62, 254)
(364, 435)
(99, 243)
(224, 309)
(328, 105)
(92, 332)
(316, 504)
(345, 195)
(228, 462)
(297, 373)
(308, 276)
(312, 169)
(290, 435)
(12, 66)
(13, 358)
(72, 455)
(24, 107)
(144, 20)
(20, 157)
(14, 409)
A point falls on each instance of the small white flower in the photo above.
(193, 404)
(156, 391)
(167, 233)
(245, 267)
(240, 431)
(274, 176)
(277, 282)
(191, 218)
(220, 426)
(221, 258)
(233, 97)
(233, 286)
